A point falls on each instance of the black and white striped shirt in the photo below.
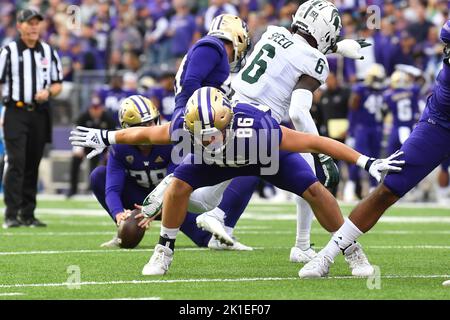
(25, 71)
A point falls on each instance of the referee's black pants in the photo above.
(26, 133)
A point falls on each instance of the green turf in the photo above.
(414, 260)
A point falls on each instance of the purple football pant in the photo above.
(426, 148)
(367, 142)
(294, 174)
(135, 194)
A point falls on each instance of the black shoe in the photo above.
(11, 223)
(33, 222)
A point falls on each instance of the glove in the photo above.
(349, 48)
(96, 139)
(152, 204)
(330, 170)
(379, 168)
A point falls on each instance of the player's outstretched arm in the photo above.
(99, 139)
(295, 141)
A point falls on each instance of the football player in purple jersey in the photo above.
(132, 172)
(257, 143)
(366, 105)
(425, 149)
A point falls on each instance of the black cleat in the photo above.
(11, 223)
(33, 222)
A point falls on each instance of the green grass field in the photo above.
(411, 247)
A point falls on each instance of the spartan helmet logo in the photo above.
(335, 19)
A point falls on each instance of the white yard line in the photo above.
(139, 282)
(9, 294)
(44, 252)
(137, 298)
(15, 253)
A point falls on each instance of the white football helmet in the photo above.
(320, 19)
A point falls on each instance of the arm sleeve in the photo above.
(115, 179)
(202, 62)
(56, 68)
(4, 61)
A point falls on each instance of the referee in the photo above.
(30, 73)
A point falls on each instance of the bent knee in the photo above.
(385, 194)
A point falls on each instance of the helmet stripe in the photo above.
(219, 23)
(145, 105)
(137, 105)
(199, 106)
(208, 101)
(204, 109)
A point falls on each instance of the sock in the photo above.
(197, 235)
(168, 236)
(343, 238)
(304, 220)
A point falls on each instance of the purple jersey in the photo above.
(369, 112)
(205, 65)
(404, 105)
(252, 126)
(252, 133)
(129, 163)
(438, 104)
(166, 101)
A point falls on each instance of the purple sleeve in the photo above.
(115, 179)
(203, 60)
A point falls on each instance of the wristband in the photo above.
(111, 137)
(364, 162)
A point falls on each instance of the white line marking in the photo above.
(8, 294)
(15, 253)
(138, 282)
(388, 219)
(138, 298)
(319, 231)
(97, 233)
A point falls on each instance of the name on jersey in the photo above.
(281, 39)
(402, 95)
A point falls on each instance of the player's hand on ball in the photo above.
(122, 216)
(145, 221)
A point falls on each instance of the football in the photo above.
(129, 232)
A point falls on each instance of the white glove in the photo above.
(96, 139)
(349, 48)
(379, 168)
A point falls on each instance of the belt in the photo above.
(23, 105)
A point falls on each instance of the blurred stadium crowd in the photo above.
(113, 48)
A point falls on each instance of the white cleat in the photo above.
(113, 243)
(316, 268)
(237, 246)
(358, 262)
(214, 225)
(302, 256)
(159, 262)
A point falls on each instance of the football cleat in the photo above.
(113, 243)
(159, 262)
(215, 244)
(302, 256)
(358, 262)
(316, 268)
(214, 225)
